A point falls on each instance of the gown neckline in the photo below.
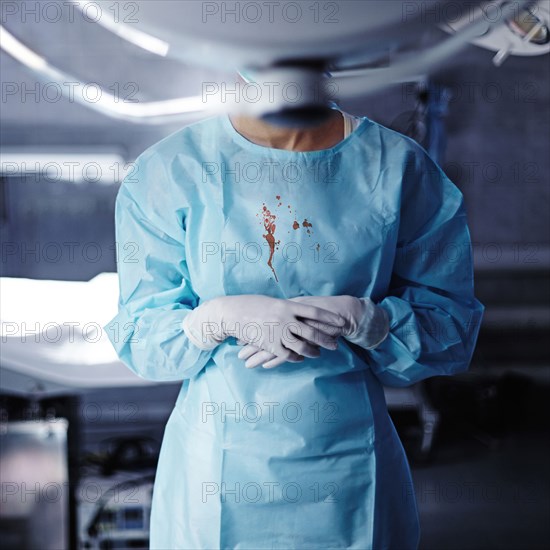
(285, 153)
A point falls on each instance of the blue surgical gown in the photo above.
(304, 455)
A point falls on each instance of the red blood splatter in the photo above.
(278, 197)
(269, 225)
(307, 225)
(295, 225)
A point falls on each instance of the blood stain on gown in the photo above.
(269, 236)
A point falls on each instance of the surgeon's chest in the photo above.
(288, 234)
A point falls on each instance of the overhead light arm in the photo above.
(345, 85)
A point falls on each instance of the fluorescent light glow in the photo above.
(153, 112)
(126, 32)
(20, 52)
(104, 169)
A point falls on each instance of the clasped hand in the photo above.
(365, 324)
(274, 331)
(288, 330)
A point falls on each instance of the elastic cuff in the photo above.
(384, 313)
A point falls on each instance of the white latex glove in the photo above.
(253, 356)
(286, 329)
(367, 325)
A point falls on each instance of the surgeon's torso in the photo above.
(282, 223)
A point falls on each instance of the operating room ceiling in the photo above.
(97, 56)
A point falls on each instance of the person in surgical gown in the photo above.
(303, 455)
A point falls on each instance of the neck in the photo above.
(325, 136)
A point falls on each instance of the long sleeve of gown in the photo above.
(155, 289)
(434, 315)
